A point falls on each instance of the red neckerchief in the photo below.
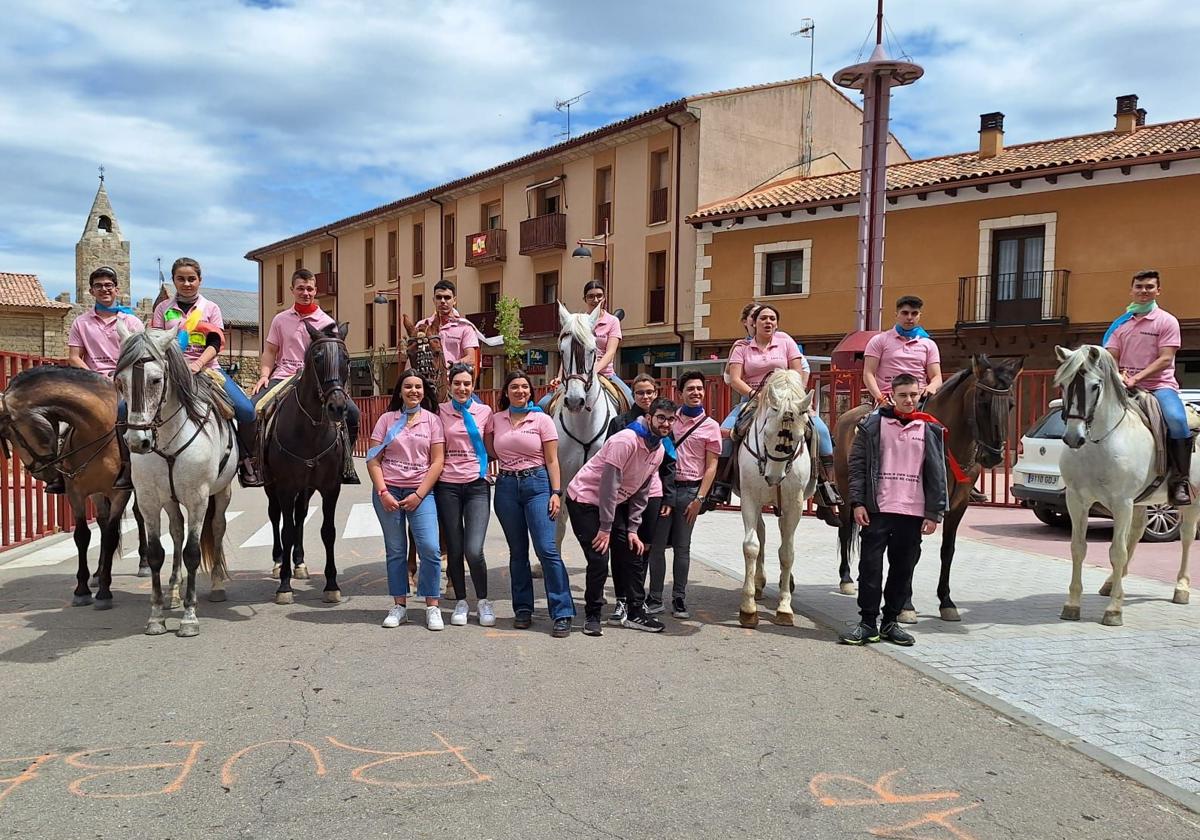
(305, 309)
(955, 468)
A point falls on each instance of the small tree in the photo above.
(508, 324)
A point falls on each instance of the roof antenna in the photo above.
(565, 105)
(808, 29)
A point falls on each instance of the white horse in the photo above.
(774, 468)
(586, 408)
(183, 455)
(1110, 460)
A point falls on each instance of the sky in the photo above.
(226, 125)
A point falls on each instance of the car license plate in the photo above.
(1045, 480)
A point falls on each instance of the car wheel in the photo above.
(1162, 524)
(1053, 517)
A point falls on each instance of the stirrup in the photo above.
(828, 495)
(719, 494)
(248, 475)
(56, 486)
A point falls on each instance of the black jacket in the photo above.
(666, 472)
(864, 467)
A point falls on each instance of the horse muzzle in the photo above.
(139, 441)
(1075, 434)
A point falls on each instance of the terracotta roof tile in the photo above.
(1107, 146)
(24, 291)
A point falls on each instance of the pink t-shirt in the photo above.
(288, 334)
(462, 464)
(212, 315)
(689, 458)
(405, 462)
(520, 448)
(901, 453)
(608, 327)
(97, 337)
(629, 455)
(757, 361)
(458, 336)
(1138, 342)
(897, 355)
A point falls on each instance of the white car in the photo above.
(1038, 483)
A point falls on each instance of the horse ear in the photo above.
(409, 329)
(313, 332)
(564, 314)
(164, 338)
(343, 330)
(122, 331)
(1062, 353)
(807, 401)
(1015, 364)
(595, 317)
(980, 364)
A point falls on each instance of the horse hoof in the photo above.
(300, 572)
(175, 604)
(847, 587)
(155, 628)
(275, 571)
(103, 604)
(783, 619)
(950, 614)
(81, 601)
(1181, 596)
(758, 594)
(216, 596)
(188, 629)
(748, 619)
(907, 617)
(284, 598)
(1070, 613)
(1112, 619)
(1106, 588)
(333, 596)
(143, 570)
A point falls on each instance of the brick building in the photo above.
(30, 322)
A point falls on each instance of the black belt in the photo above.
(522, 473)
(688, 483)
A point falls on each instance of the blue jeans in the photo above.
(824, 438)
(522, 508)
(463, 512)
(395, 544)
(122, 410)
(243, 409)
(1173, 412)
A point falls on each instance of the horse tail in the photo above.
(212, 560)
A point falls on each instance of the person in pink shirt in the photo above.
(287, 343)
(460, 339)
(606, 500)
(464, 494)
(523, 440)
(1144, 341)
(907, 348)
(408, 449)
(898, 493)
(608, 341)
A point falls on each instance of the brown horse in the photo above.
(39, 402)
(423, 353)
(974, 405)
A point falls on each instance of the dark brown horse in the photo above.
(38, 403)
(303, 453)
(974, 405)
(423, 353)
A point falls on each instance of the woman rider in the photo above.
(201, 327)
(608, 341)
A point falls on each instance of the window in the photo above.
(327, 262)
(490, 216)
(418, 307)
(418, 250)
(370, 322)
(105, 224)
(656, 285)
(603, 199)
(1017, 274)
(448, 241)
(299, 263)
(548, 199)
(393, 264)
(547, 287)
(785, 273)
(369, 262)
(279, 283)
(600, 272)
(393, 325)
(660, 182)
(490, 295)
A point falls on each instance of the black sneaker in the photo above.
(618, 615)
(644, 622)
(592, 626)
(654, 606)
(522, 621)
(862, 634)
(562, 628)
(679, 608)
(897, 635)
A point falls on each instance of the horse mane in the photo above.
(957, 379)
(784, 389)
(194, 392)
(73, 374)
(1098, 359)
(579, 328)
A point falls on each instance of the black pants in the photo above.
(629, 570)
(463, 513)
(900, 536)
(645, 533)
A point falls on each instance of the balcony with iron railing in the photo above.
(487, 247)
(543, 233)
(1014, 299)
(326, 283)
(538, 320)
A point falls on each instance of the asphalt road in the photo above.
(311, 720)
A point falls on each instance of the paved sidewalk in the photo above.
(1128, 694)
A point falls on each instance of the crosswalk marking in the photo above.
(262, 536)
(64, 549)
(168, 544)
(362, 522)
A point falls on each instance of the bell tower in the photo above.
(101, 244)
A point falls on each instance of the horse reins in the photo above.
(586, 379)
(329, 382)
(997, 396)
(40, 463)
(1075, 391)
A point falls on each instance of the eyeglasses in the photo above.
(670, 421)
(104, 287)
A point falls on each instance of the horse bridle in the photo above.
(40, 463)
(329, 379)
(785, 443)
(996, 397)
(589, 375)
(1077, 390)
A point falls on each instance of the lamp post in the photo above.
(381, 298)
(583, 251)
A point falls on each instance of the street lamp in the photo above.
(583, 251)
(381, 298)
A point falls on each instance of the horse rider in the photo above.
(286, 345)
(460, 339)
(94, 344)
(201, 331)
(608, 341)
(1144, 341)
(905, 349)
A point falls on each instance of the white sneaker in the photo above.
(461, 610)
(396, 616)
(487, 613)
(433, 618)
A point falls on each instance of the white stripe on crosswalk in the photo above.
(362, 522)
(262, 536)
(168, 544)
(64, 549)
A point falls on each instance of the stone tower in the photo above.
(101, 244)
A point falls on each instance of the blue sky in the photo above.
(226, 125)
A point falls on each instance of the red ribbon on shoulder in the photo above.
(955, 469)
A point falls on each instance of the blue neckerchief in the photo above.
(916, 332)
(691, 411)
(1130, 311)
(464, 409)
(100, 307)
(525, 409)
(652, 440)
(396, 429)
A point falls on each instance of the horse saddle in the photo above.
(220, 399)
(1150, 412)
(616, 393)
(267, 402)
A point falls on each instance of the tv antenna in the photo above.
(565, 105)
(808, 29)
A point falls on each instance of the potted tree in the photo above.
(508, 324)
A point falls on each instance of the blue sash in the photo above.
(396, 429)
